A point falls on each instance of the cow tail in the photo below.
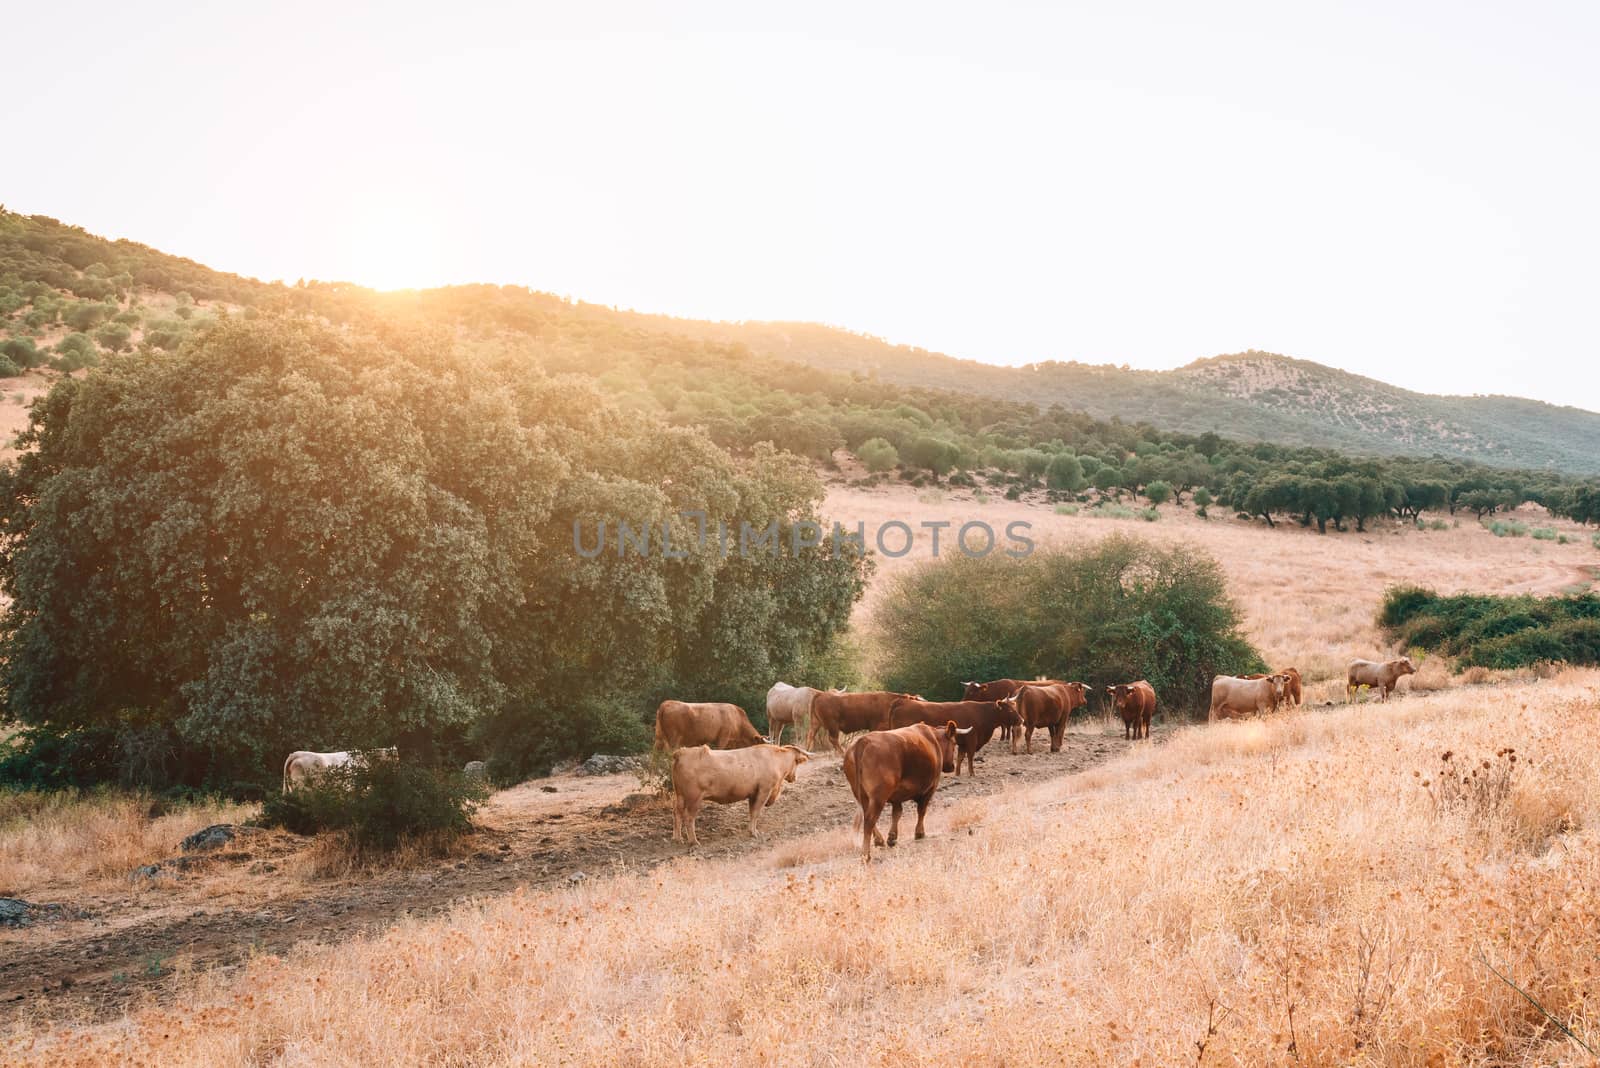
(286, 762)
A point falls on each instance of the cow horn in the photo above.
(963, 730)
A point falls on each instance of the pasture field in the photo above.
(1097, 906)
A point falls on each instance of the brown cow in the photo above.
(893, 767)
(755, 774)
(1135, 702)
(717, 724)
(1381, 677)
(1233, 695)
(983, 717)
(1048, 705)
(836, 713)
(998, 690)
(1292, 692)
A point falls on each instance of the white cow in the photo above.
(302, 765)
(788, 706)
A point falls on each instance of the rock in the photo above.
(14, 912)
(548, 789)
(607, 764)
(577, 877)
(215, 837)
(476, 769)
(153, 872)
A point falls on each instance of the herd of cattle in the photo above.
(906, 743)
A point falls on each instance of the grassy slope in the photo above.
(1293, 881)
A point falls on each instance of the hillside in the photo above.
(1256, 395)
(67, 297)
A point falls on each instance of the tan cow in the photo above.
(1381, 677)
(1234, 696)
(714, 723)
(727, 776)
(1292, 692)
(788, 706)
(301, 766)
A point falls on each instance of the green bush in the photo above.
(1202, 501)
(1595, 539)
(878, 455)
(1544, 534)
(1158, 492)
(113, 336)
(74, 352)
(1506, 528)
(379, 804)
(22, 352)
(8, 369)
(1496, 632)
(1121, 610)
(1149, 515)
(1066, 509)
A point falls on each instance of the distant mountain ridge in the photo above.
(1254, 395)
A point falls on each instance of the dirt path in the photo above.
(545, 833)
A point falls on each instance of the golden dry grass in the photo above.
(68, 839)
(1293, 880)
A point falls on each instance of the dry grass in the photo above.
(62, 838)
(1284, 891)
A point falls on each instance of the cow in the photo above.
(998, 690)
(836, 713)
(1135, 702)
(1050, 706)
(788, 706)
(1292, 692)
(982, 717)
(1232, 695)
(892, 767)
(301, 766)
(727, 776)
(1381, 677)
(717, 724)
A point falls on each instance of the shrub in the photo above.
(1544, 534)
(86, 315)
(878, 455)
(74, 352)
(22, 352)
(113, 336)
(1149, 515)
(8, 369)
(1202, 501)
(1158, 492)
(379, 804)
(1121, 610)
(1066, 473)
(1506, 528)
(1483, 630)
(1066, 509)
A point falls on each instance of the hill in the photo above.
(1260, 396)
(68, 297)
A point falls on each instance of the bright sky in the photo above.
(1408, 191)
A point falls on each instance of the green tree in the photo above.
(1202, 501)
(288, 535)
(1158, 492)
(1066, 473)
(878, 455)
(1120, 610)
